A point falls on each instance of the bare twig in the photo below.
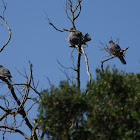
(64, 66)
(49, 81)
(72, 58)
(105, 47)
(105, 61)
(10, 33)
(68, 77)
(66, 11)
(72, 9)
(28, 88)
(54, 25)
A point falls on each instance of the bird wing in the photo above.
(114, 49)
(5, 72)
(74, 40)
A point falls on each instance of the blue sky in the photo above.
(35, 40)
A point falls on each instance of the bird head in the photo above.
(110, 41)
(72, 30)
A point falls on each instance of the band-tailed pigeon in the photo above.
(116, 50)
(5, 73)
(76, 38)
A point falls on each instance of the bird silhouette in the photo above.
(5, 73)
(77, 38)
(116, 51)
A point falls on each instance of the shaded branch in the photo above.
(12, 129)
(3, 116)
(78, 66)
(105, 61)
(7, 112)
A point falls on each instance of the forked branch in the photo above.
(17, 106)
(73, 9)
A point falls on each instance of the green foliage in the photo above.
(61, 112)
(109, 110)
(114, 100)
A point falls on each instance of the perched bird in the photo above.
(5, 73)
(77, 38)
(116, 50)
(74, 37)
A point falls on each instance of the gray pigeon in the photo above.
(5, 73)
(76, 36)
(116, 50)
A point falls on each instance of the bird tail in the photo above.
(122, 59)
(86, 38)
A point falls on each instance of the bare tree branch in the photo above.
(19, 109)
(67, 75)
(28, 88)
(105, 47)
(66, 11)
(79, 5)
(54, 25)
(64, 66)
(12, 129)
(10, 33)
(105, 61)
(33, 88)
(87, 66)
(78, 66)
(69, 6)
(72, 58)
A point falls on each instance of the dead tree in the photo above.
(13, 106)
(17, 100)
(73, 10)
